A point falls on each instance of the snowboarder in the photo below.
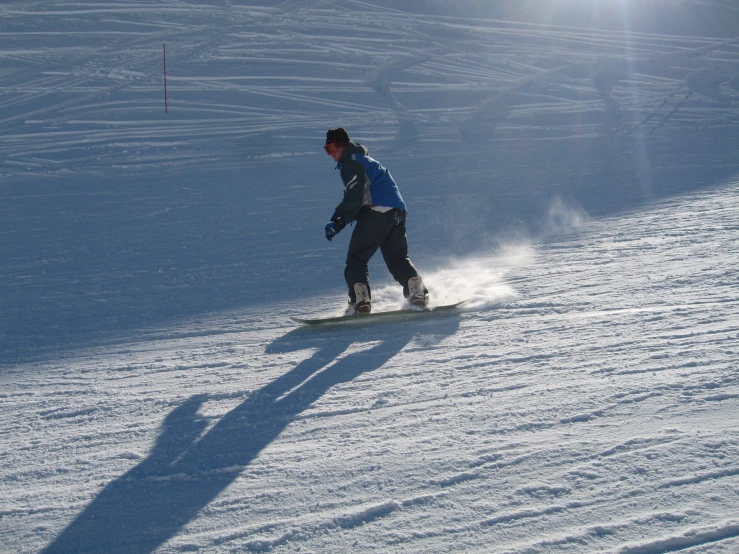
(372, 199)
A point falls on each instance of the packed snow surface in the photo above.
(571, 171)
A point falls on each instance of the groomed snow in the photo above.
(578, 184)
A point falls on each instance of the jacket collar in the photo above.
(351, 149)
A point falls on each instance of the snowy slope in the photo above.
(571, 170)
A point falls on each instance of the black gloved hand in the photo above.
(331, 230)
(334, 226)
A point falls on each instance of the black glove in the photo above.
(331, 230)
(334, 226)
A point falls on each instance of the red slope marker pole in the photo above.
(164, 52)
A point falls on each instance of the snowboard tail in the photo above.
(375, 316)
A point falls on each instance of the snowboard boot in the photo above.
(363, 304)
(418, 296)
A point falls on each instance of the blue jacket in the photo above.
(366, 183)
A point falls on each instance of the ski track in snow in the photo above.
(262, 74)
(586, 397)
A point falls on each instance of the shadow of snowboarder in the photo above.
(186, 469)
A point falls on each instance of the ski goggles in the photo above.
(331, 148)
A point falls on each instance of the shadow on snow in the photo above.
(186, 469)
(108, 257)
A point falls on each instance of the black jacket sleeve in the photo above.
(355, 179)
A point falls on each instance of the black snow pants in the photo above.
(385, 231)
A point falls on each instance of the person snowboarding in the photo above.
(372, 200)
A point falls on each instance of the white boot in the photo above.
(417, 295)
(363, 304)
